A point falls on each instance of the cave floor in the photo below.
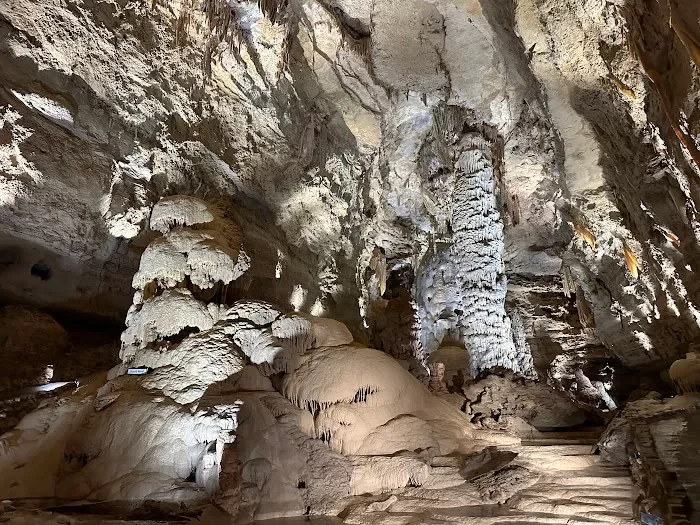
(558, 481)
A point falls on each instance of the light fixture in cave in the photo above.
(584, 232)
(298, 297)
(631, 260)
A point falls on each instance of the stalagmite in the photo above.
(139, 444)
(685, 373)
(478, 240)
(328, 332)
(462, 288)
(372, 262)
(437, 377)
(209, 263)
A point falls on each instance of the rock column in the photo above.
(478, 246)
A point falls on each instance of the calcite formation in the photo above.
(478, 237)
(176, 368)
(465, 301)
(654, 436)
(193, 371)
(685, 373)
(366, 259)
(373, 188)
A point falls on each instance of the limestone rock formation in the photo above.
(685, 373)
(656, 438)
(539, 405)
(350, 247)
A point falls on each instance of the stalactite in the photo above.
(585, 314)
(515, 210)
(183, 21)
(378, 265)
(568, 284)
(363, 394)
(223, 24)
(631, 261)
(273, 9)
(361, 46)
(664, 92)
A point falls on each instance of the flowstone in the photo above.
(144, 436)
(316, 417)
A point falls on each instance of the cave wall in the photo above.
(325, 126)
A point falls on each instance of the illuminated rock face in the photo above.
(275, 414)
(169, 445)
(149, 431)
(191, 365)
(349, 155)
(469, 187)
(462, 291)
